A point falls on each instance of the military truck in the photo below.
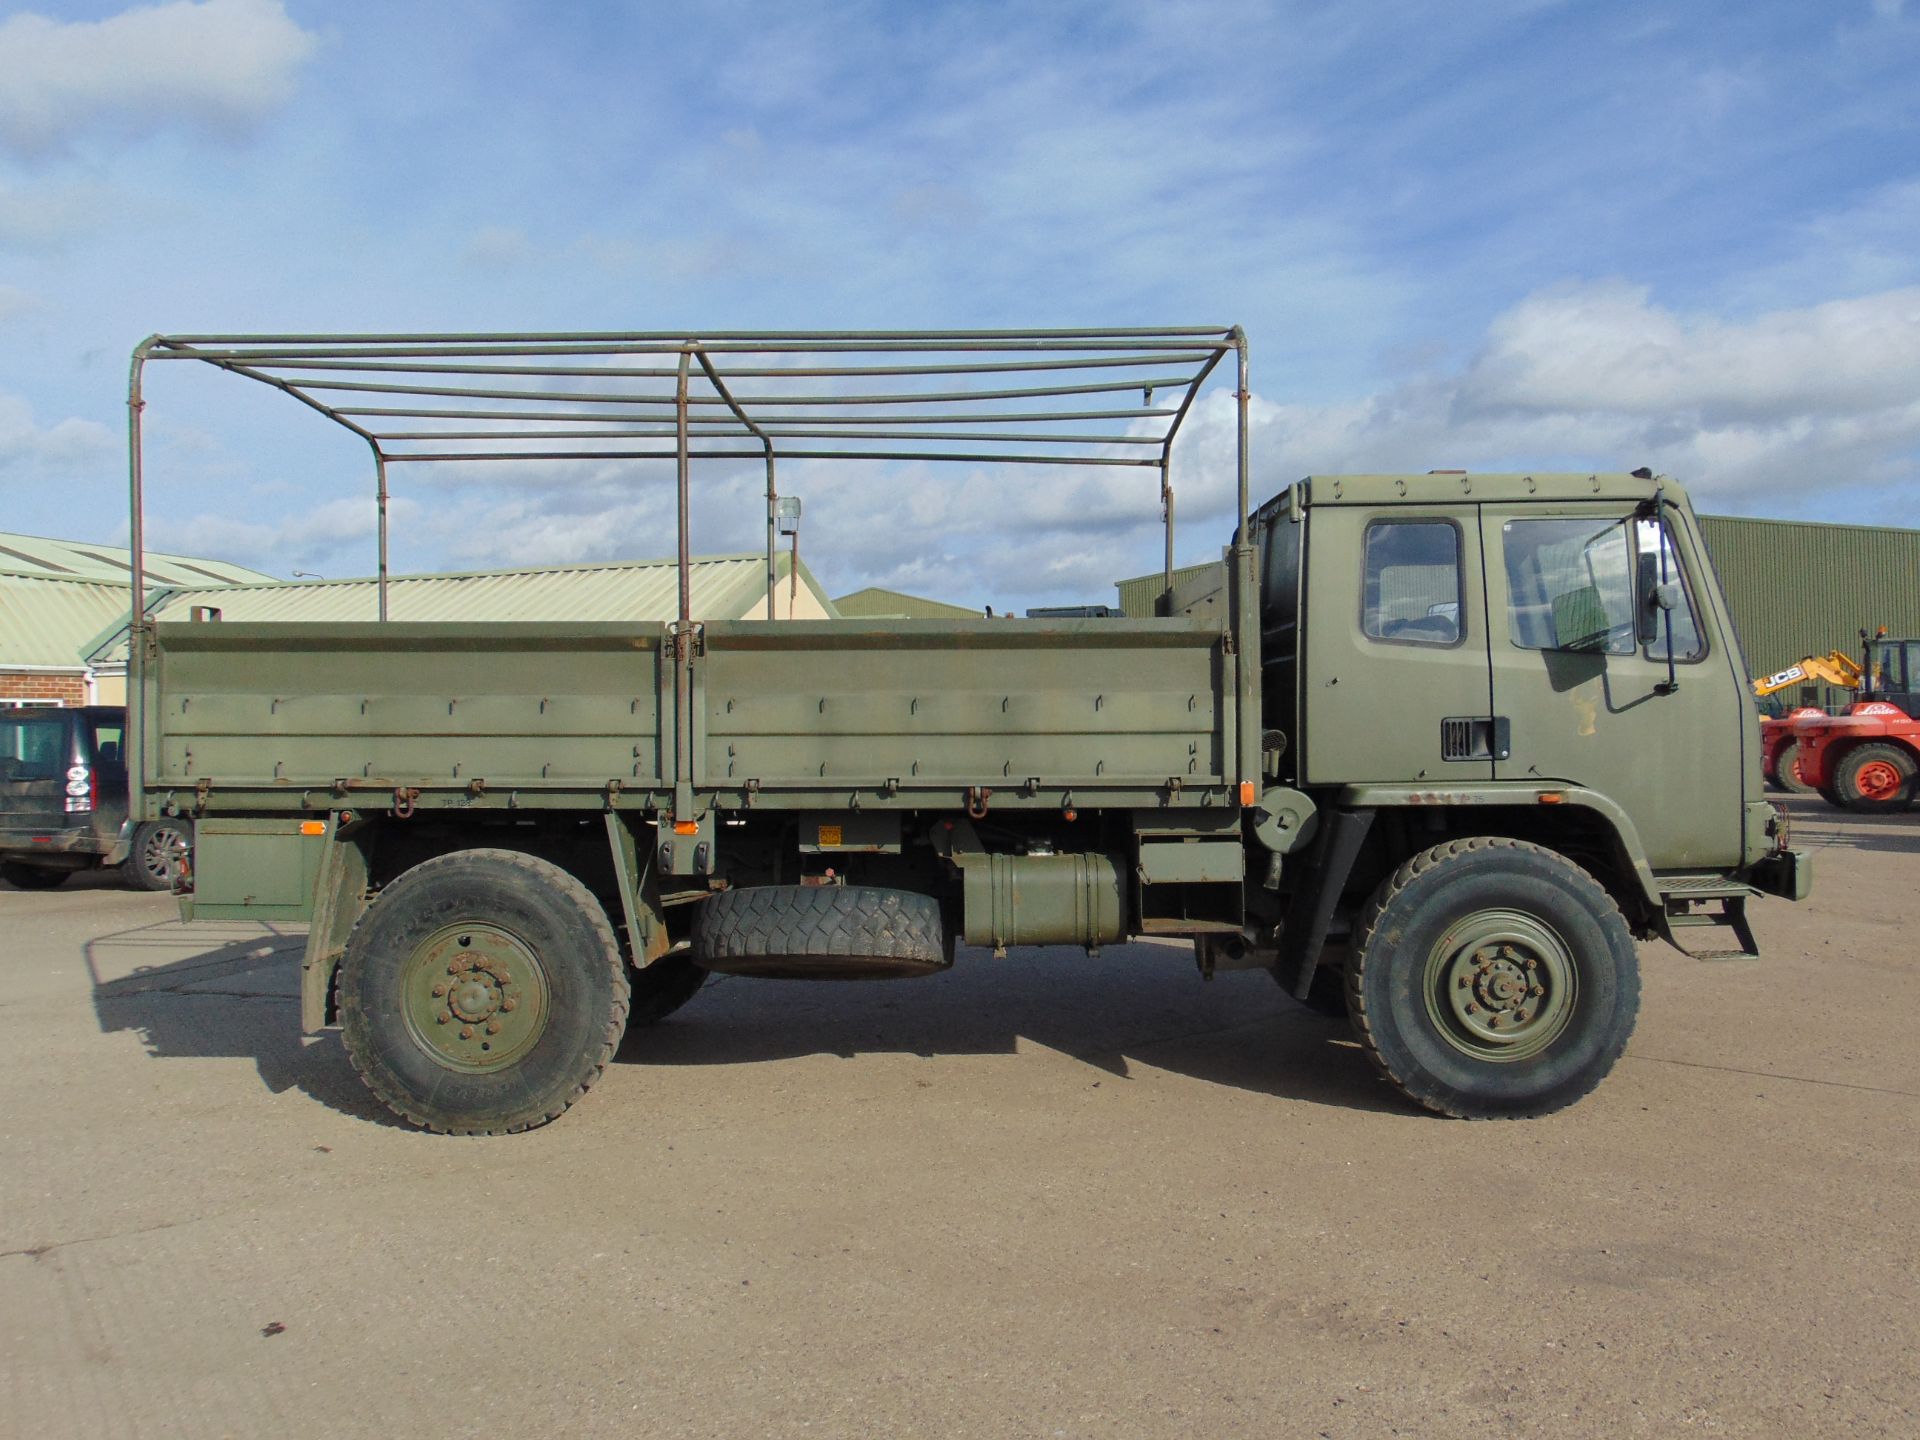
(1433, 749)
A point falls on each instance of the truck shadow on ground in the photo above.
(238, 999)
(1138, 1006)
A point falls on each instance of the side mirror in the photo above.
(1580, 620)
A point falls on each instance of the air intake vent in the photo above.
(1475, 737)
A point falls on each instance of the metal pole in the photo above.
(136, 538)
(1166, 515)
(773, 497)
(1241, 397)
(380, 485)
(680, 429)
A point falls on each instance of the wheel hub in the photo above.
(1500, 985)
(1878, 780)
(476, 996)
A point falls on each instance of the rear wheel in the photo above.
(1493, 978)
(1875, 779)
(1787, 770)
(158, 848)
(32, 877)
(483, 992)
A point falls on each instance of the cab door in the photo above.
(1393, 682)
(1580, 672)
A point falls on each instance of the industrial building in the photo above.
(1796, 587)
(60, 598)
(63, 638)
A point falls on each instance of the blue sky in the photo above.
(1530, 235)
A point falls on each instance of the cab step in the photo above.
(1679, 913)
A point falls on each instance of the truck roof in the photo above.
(1439, 487)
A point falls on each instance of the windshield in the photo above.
(32, 747)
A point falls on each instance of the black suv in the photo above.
(63, 801)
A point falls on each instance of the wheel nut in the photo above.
(441, 988)
(1536, 990)
(444, 1016)
(466, 1032)
(1465, 981)
(1493, 1022)
(509, 1003)
(493, 1027)
(1472, 1009)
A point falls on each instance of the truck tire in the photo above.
(1875, 779)
(820, 932)
(32, 877)
(153, 857)
(662, 988)
(1492, 978)
(482, 992)
(1787, 771)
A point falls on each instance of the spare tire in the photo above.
(821, 932)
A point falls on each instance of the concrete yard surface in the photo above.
(1045, 1196)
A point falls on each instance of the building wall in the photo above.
(68, 689)
(1800, 588)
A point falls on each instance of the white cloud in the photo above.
(222, 64)
(68, 447)
(335, 537)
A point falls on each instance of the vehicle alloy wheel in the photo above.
(154, 858)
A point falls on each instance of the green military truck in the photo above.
(1434, 749)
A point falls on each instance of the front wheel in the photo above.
(483, 992)
(1875, 779)
(1493, 978)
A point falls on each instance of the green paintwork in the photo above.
(1043, 899)
(256, 869)
(474, 996)
(1500, 985)
(339, 899)
(1153, 723)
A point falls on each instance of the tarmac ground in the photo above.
(1048, 1196)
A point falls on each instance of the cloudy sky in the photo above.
(1509, 234)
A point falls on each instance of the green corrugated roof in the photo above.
(1138, 595)
(48, 621)
(83, 560)
(873, 603)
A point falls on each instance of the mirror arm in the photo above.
(1660, 504)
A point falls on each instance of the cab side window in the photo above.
(1411, 593)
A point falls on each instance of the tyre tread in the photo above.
(374, 1074)
(1430, 1096)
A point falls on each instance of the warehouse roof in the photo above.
(873, 603)
(49, 621)
(725, 587)
(82, 560)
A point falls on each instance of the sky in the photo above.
(1509, 235)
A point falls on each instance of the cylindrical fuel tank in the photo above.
(1043, 899)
